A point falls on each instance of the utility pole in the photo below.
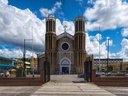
(24, 60)
(99, 48)
(24, 55)
(32, 55)
(108, 56)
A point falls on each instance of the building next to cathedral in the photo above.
(65, 52)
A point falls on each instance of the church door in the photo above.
(65, 66)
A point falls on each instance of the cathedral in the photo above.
(65, 52)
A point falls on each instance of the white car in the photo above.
(100, 73)
(126, 74)
(7, 73)
(1, 74)
(113, 73)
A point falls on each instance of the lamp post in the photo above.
(24, 60)
(99, 48)
(32, 56)
(107, 53)
(24, 55)
(108, 56)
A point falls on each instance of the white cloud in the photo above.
(108, 14)
(4, 2)
(80, 2)
(15, 53)
(90, 1)
(92, 46)
(46, 12)
(69, 26)
(17, 25)
(60, 27)
(125, 32)
(124, 50)
(97, 37)
(11, 53)
(57, 5)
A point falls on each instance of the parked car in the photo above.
(113, 73)
(80, 75)
(121, 73)
(7, 74)
(1, 74)
(100, 73)
(126, 73)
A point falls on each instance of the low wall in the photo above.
(109, 81)
(22, 81)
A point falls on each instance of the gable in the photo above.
(65, 34)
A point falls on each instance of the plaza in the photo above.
(62, 85)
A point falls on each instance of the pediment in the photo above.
(65, 34)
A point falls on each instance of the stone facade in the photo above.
(65, 52)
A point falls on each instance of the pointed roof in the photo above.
(65, 34)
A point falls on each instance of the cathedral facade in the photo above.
(65, 52)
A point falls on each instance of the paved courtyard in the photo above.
(62, 85)
(65, 78)
(17, 90)
(119, 91)
(71, 89)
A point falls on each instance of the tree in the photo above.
(127, 68)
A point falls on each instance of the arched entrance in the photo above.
(65, 66)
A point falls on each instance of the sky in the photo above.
(105, 21)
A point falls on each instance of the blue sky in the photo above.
(68, 7)
(20, 19)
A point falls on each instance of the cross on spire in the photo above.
(65, 28)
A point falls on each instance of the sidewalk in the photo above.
(62, 85)
(71, 89)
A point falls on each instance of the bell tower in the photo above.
(79, 44)
(50, 43)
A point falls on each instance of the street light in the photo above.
(99, 48)
(107, 53)
(108, 56)
(25, 56)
